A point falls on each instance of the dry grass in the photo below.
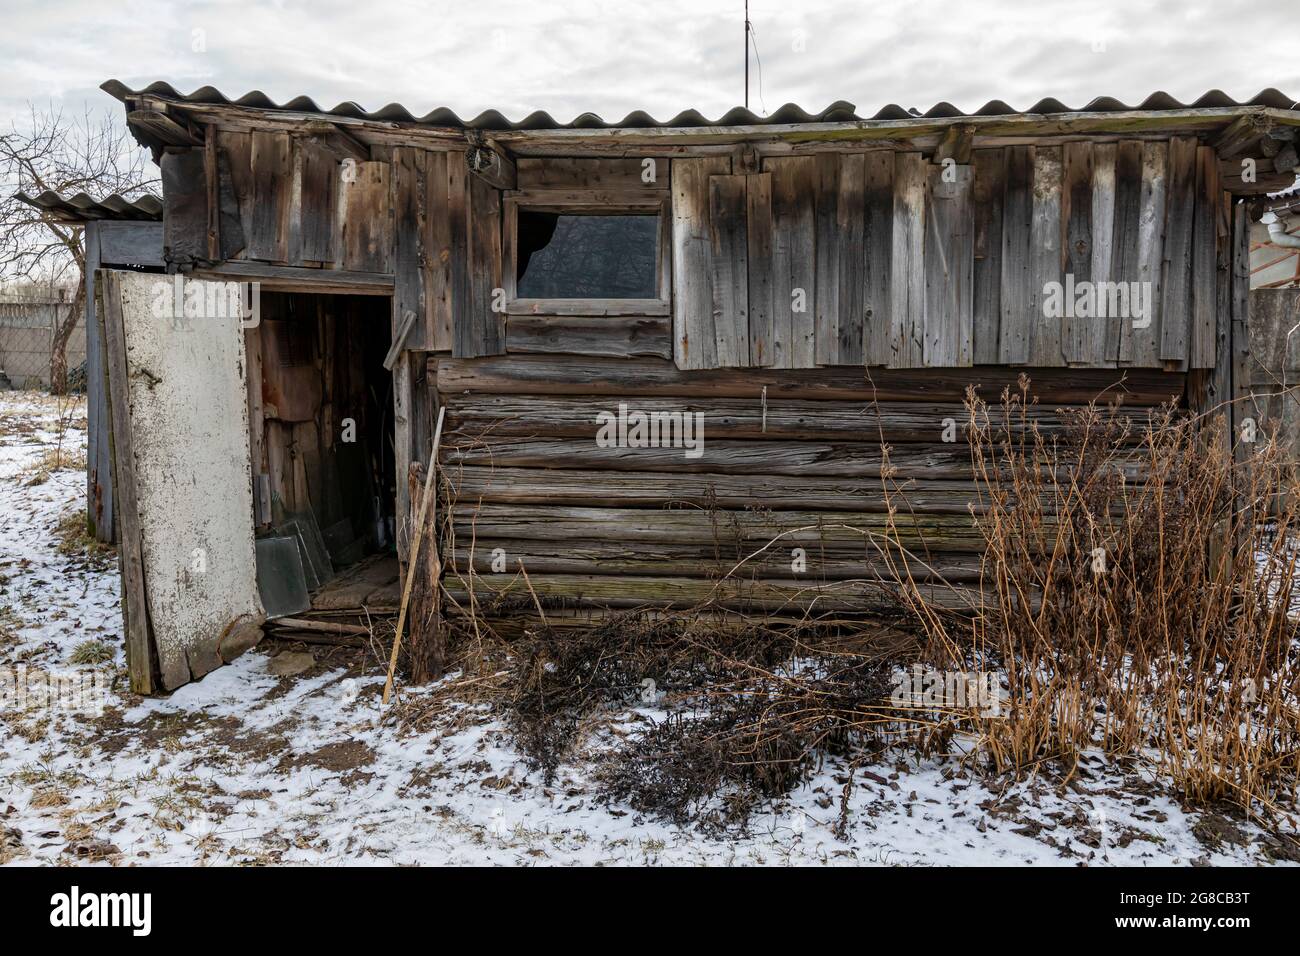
(73, 539)
(1149, 616)
(1130, 603)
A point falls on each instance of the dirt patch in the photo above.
(344, 756)
(1214, 830)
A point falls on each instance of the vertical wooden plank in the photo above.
(483, 331)
(1046, 258)
(1017, 227)
(139, 647)
(367, 217)
(1125, 243)
(272, 181)
(826, 285)
(1105, 341)
(758, 225)
(850, 230)
(439, 254)
(1079, 331)
(256, 425)
(1204, 241)
(1239, 334)
(1180, 207)
(410, 192)
(878, 242)
(212, 202)
(694, 340)
(235, 192)
(949, 267)
(1217, 390)
(403, 411)
(99, 468)
(458, 260)
(907, 264)
(989, 173)
(1143, 348)
(294, 241)
(729, 270)
(794, 246)
(320, 177)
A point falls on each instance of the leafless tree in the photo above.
(92, 154)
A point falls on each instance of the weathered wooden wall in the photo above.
(1275, 365)
(795, 456)
(789, 276)
(889, 259)
(880, 258)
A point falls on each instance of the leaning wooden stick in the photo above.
(417, 535)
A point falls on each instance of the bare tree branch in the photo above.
(92, 154)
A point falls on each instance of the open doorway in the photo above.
(325, 486)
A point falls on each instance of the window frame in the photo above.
(581, 203)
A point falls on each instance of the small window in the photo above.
(570, 253)
(586, 256)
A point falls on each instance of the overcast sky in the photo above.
(659, 55)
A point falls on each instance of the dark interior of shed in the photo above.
(327, 437)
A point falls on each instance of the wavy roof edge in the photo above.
(83, 207)
(789, 114)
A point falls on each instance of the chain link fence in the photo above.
(27, 325)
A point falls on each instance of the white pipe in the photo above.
(1277, 233)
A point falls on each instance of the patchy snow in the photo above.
(246, 766)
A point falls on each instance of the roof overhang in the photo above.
(1252, 129)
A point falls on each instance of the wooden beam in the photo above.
(492, 164)
(956, 144)
(399, 340)
(135, 607)
(161, 128)
(294, 279)
(334, 139)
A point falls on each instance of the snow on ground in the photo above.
(249, 767)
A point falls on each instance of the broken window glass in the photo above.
(586, 256)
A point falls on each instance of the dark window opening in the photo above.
(579, 256)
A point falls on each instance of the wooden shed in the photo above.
(656, 345)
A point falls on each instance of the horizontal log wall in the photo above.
(789, 460)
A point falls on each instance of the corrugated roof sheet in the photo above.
(837, 112)
(81, 207)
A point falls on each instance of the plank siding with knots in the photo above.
(990, 166)
(729, 270)
(878, 245)
(1180, 212)
(271, 164)
(850, 230)
(794, 244)
(1205, 238)
(1017, 224)
(826, 283)
(694, 339)
(1081, 330)
(949, 267)
(1046, 234)
(1144, 332)
(907, 262)
(1104, 343)
(482, 314)
(758, 225)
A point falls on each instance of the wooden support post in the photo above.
(139, 645)
(418, 535)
